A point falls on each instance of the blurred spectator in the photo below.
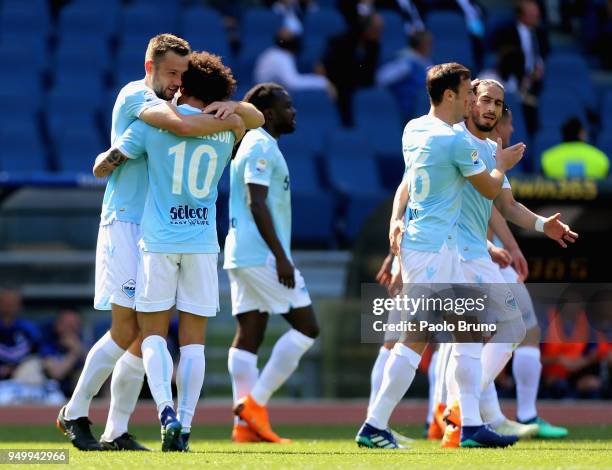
(278, 64)
(350, 62)
(598, 30)
(523, 45)
(63, 351)
(504, 72)
(405, 75)
(575, 157)
(19, 341)
(293, 12)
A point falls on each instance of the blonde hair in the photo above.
(162, 43)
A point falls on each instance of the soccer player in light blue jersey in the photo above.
(440, 160)
(179, 242)
(263, 278)
(117, 252)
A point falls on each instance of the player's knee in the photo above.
(124, 335)
(311, 330)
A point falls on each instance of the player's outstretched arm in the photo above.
(252, 117)
(165, 116)
(489, 184)
(256, 198)
(107, 161)
(518, 214)
(499, 226)
(397, 223)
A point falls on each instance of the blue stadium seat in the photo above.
(203, 28)
(23, 16)
(555, 107)
(92, 53)
(295, 148)
(569, 74)
(32, 57)
(129, 65)
(77, 149)
(22, 147)
(303, 175)
(349, 144)
(445, 24)
(319, 26)
(259, 27)
(604, 143)
(19, 100)
(453, 49)
(65, 109)
(394, 36)
(140, 22)
(89, 18)
(376, 114)
(306, 142)
(606, 111)
(313, 216)
(80, 81)
(357, 211)
(518, 119)
(61, 122)
(315, 110)
(543, 140)
(350, 176)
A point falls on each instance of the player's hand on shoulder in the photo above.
(285, 272)
(558, 231)
(221, 109)
(509, 156)
(500, 256)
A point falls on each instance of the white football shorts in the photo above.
(522, 297)
(187, 280)
(257, 288)
(117, 256)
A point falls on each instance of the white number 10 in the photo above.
(194, 165)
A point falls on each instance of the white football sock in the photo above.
(189, 382)
(376, 375)
(242, 366)
(158, 366)
(431, 377)
(126, 384)
(285, 357)
(440, 390)
(452, 388)
(468, 374)
(526, 368)
(398, 376)
(99, 364)
(495, 356)
(490, 410)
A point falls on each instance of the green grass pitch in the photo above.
(324, 447)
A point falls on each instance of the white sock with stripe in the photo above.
(158, 366)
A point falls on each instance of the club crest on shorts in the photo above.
(129, 288)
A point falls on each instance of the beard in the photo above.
(483, 127)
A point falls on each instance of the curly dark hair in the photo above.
(207, 79)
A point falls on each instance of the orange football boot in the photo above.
(452, 415)
(437, 425)
(256, 417)
(243, 434)
(452, 436)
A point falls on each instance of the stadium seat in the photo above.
(65, 109)
(22, 148)
(32, 57)
(604, 143)
(394, 36)
(91, 54)
(315, 110)
(543, 140)
(313, 216)
(606, 111)
(130, 65)
(351, 176)
(319, 26)
(295, 148)
(518, 119)
(453, 49)
(24, 17)
(212, 38)
(349, 144)
(89, 18)
(303, 175)
(446, 24)
(376, 114)
(19, 101)
(140, 22)
(556, 107)
(81, 81)
(357, 210)
(259, 27)
(77, 149)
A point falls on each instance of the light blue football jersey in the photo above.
(180, 211)
(258, 161)
(476, 209)
(438, 159)
(126, 189)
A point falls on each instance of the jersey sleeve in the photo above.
(135, 103)
(132, 142)
(259, 166)
(465, 156)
